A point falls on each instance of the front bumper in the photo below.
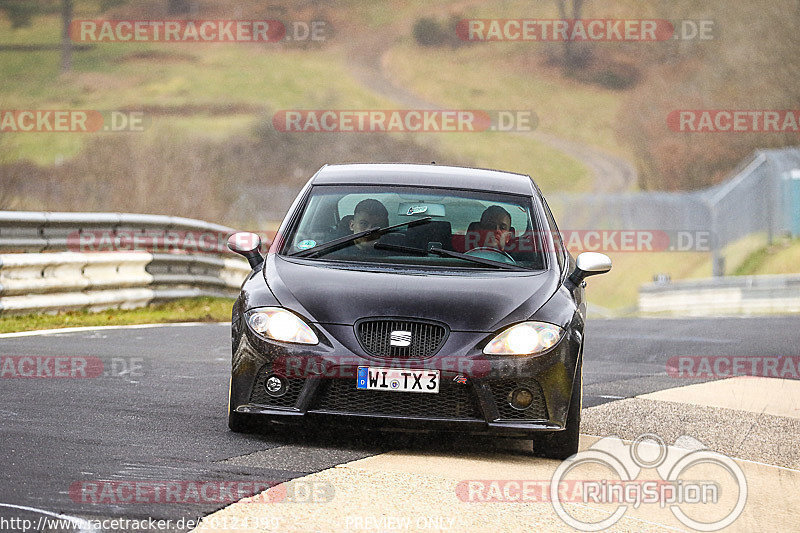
(473, 388)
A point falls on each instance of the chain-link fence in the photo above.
(762, 196)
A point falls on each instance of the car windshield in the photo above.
(436, 227)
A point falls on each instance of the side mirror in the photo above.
(246, 244)
(589, 264)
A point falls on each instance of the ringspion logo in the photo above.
(690, 477)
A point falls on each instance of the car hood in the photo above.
(470, 301)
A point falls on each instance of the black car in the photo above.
(418, 297)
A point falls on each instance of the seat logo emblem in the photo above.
(400, 338)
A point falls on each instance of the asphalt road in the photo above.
(157, 413)
(627, 357)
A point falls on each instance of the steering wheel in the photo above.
(504, 257)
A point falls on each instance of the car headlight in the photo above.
(281, 325)
(527, 338)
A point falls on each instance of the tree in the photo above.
(572, 57)
(178, 7)
(21, 13)
(66, 40)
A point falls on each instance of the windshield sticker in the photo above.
(417, 209)
(306, 244)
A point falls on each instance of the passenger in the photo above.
(496, 218)
(368, 214)
(495, 227)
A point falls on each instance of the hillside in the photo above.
(208, 147)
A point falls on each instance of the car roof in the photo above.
(425, 176)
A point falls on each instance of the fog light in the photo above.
(520, 399)
(276, 386)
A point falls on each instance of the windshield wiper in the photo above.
(447, 253)
(347, 240)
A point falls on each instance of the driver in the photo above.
(496, 222)
(368, 214)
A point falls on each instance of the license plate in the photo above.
(397, 379)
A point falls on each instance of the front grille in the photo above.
(375, 337)
(501, 390)
(451, 402)
(259, 393)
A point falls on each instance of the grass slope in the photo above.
(186, 310)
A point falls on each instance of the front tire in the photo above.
(238, 422)
(563, 444)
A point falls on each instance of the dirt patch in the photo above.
(91, 82)
(43, 47)
(157, 55)
(188, 110)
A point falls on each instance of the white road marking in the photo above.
(753, 394)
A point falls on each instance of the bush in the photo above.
(428, 32)
(196, 177)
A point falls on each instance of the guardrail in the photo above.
(732, 295)
(34, 231)
(45, 276)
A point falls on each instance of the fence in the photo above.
(60, 279)
(761, 196)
